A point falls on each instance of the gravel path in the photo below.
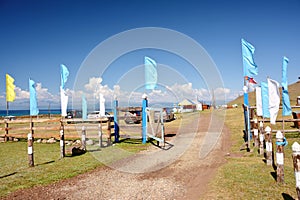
(176, 173)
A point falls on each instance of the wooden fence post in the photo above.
(109, 132)
(83, 138)
(296, 162)
(269, 148)
(280, 143)
(30, 150)
(100, 134)
(6, 130)
(261, 138)
(255, 133)
(62, 140)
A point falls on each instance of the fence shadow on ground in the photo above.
(7, 175)
(45, 163)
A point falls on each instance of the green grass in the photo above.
(247, 176)
(49, 167)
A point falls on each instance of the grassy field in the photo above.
(15, 173)
(245, 175)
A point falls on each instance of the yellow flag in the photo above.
(10, 88)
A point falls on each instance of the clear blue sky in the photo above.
(37, 36)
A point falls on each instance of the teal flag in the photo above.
(33, 101)
(250, 68)
(286, 105)
(84, 107)
(150, 73)
(64, 73)
(265, 99)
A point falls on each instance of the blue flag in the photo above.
(265, 99)
(33, 101)
(64, 73)
(286, 106)
(84, 107)
(150, 73)
(250, 68)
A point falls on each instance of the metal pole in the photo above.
(116, 121)
(144, 119)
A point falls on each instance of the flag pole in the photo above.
(6, 108)
(246, 113)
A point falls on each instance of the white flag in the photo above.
(102, 105)
(274, 99)
(64, 102)
(258, 101)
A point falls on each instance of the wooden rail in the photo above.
(47, 128)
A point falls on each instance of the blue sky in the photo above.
(37, 36)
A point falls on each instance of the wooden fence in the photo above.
(50, 128)
(288, 125)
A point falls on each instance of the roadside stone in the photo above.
(16, 140)
(89, 142)
(39, 141)
(44, 141)
(51, 141)
(77, 142)
(68, 143)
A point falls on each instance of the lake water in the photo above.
(27, 112)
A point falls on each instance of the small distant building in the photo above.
(187, 106)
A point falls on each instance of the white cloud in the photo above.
(170, 94)
(21, 94)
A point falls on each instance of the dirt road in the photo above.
(176, 173)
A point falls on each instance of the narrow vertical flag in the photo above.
(286, 105)
(84, 107)
(102, 105)
(265, 99)
(274, 100)
(250, 68)
(64, 73)
(10, 88)
(63, 102)
(259, 111)
(150, 73)
(33, 100)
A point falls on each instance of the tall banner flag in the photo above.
(150, 73)
(250, 68)
(64, 73)
(265, 99)
(259, 111)
(10, 88)
(33, 100)
(274, 100)
(102, 105)
(286, 105)
(84, 107)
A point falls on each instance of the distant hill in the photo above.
(294, 91)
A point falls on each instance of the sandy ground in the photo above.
(178, 172)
